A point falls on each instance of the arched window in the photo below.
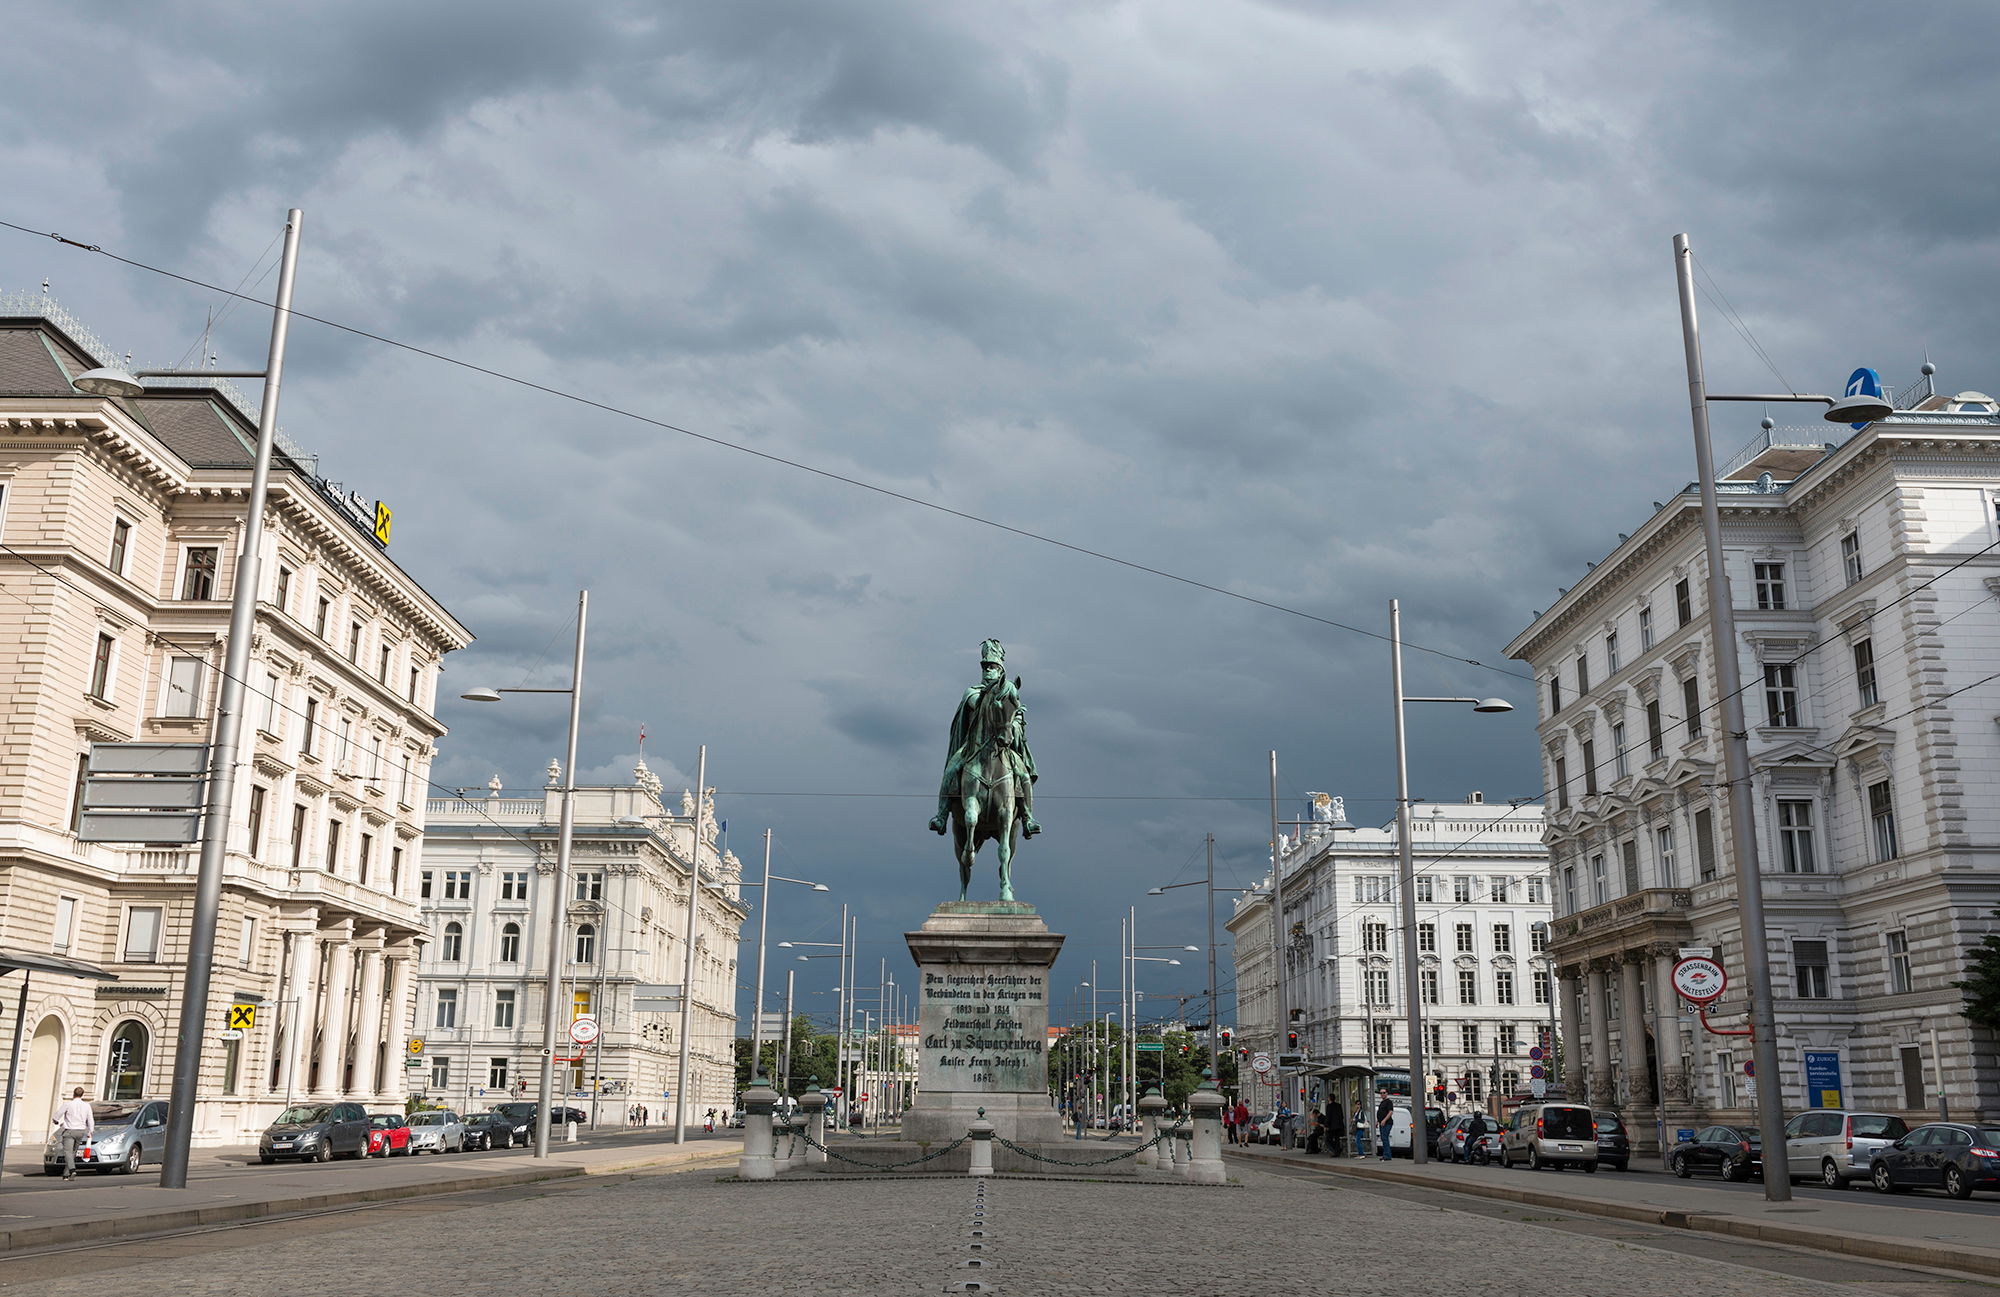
(510, 944)
(125, 1065)
(454, 944)
(586, 944)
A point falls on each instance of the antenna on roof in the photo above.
(45, 285)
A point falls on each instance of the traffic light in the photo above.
(1225, 1037)
(1437, 1091)
(1184, 1051)
(1243, 1052)
(1292, 1041)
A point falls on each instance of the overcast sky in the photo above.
(1318, 303)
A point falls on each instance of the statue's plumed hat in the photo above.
(990, 651)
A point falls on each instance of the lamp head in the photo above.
(1862, 407)
(111, 380)
(1493, 705)
(1195, 949)
(1156, 891)
(821, 887)
(481, 695)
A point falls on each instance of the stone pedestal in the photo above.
(983, 987)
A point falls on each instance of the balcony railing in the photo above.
(1653, 902)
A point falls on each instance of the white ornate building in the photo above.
(1865, 573)
(1482, 892)
(120, 521)
(485, 892)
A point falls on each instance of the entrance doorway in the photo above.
(45, 1053)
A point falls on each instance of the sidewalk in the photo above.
(227, 1184)
(1859, 1223)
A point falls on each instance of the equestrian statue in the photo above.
(988, 790)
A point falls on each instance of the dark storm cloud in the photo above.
(1323, 304)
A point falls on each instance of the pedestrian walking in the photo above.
(74, 1124)
(1229, 1124)
(708, 1127)
(1076, 1116)
(1336, 1128)
(1385, 1121)
(1245, 1133)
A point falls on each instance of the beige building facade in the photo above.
(119, 527)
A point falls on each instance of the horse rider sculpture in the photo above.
(987, 793)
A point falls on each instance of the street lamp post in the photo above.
(1207, 881)
(1406, 872)
(225, 733)
(763, 927)
(693, 922)
(559, 885)
(1858, 408)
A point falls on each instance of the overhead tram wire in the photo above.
(768, 456)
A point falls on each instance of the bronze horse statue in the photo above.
(987, 793)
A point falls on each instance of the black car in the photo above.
(1614, 1142)
(1954, 1156)
(485, 1130)
(1733, 1152)
(523, 1115)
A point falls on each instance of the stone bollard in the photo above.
(756, 1162)
(569, 1132)
(813, 1104)
(1182, 1156)
(982, 1145)
(1205, 1149)
(1151, 1107)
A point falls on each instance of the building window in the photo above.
(1376, 983)
(1795, 835)
(1683, 601)
(1541, 986)
(1555, 694)
(65, 925)
(1433, 1039)
(1562, 784)
(395, 871)
(458, 884)
(1611, 653)
(1569, 889)
(1850, 556)
(1589, 767)
(81, 782)
(1656, 734)
(1461, 888)
(271, 688)
(1538, 937)
(1498, 886)
(1619, 761)
(1430, 982)
(198, 576)
(1537, 894)
(413, 684)
(1691, 706)
(181, 695)
(496, 1074)
(332, 861)
(100, 667)
(121, 546)
(590, 885)
(1704, 843)
(1645, 627)
(1899, 962)
(1503, 938)
(354, 642)
(514, 885)
(586, 943)
(1371, 889)
(447, 1008)
(1509, 1038)
(582, 1003)
(1427, 938)
(322, 611)
(1864, 672)
(424, 884)
(1663, 849)
(510, 944)
(258, 796)
(1503, 986)
(1468, 986)
(299, 813)
(1582, 675)
(440, 1072)
(125, 1063)
(281, 594)
(1375, 938)
(452, 949)
(1781, 695)
(142, 934)
(246, 942)
(1628, 856)
(503, 1008)
(1468, 1038)
(1426, 888)
(1809, 969)
(1598, 888)
(1383, 1036)
(382, 665)
(1882, 816)
(309, 728)
(1462, 938)
(1770, 580)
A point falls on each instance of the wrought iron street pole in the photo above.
(763, 927)
(1406, 882)
(693, 926)
(1735, 747)
(224, 739)
(559, 885)
(1214, 1009)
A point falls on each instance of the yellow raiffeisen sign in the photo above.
(382, 517)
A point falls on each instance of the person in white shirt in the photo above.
(74, 1124)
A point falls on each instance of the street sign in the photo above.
(1535, 1053)
(583, 1029)
(1863, 382)
(1261, 1064)
(1823, 1077)
(656, 997)
(144, 792)
(1536, 1072)
(861, 1098)
(230, 1033)
(1695, 952)
(416, 1045)
(1150, 1047)
(1700, 980)
(835, 1092)
(1749, 1067)
(1538, 1087)
(240, 1016)
(409, 1063)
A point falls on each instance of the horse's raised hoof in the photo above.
(1029, 828)
(937, 825)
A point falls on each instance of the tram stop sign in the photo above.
(1700, 980)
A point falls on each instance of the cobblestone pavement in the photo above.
(691, 1233)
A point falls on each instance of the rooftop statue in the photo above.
(988, 790)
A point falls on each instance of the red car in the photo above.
(388, 1135)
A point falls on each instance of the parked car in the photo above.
(1547, 1135)
(388, 1135)
(1837, 1146)
(1263, 1128)
(524, 1115)
(314, 1132)
(125, 1130)
(1614, 1142)
(1455, 1142)
(1955, 1156)
(1399, 1129)
(436, 1131)
(1733, 1152)
(484, 1130)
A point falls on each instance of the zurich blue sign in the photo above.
(1863, 382)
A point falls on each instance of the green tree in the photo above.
(812, 1055)
(1982, 982)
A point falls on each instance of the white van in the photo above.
(1399, 1130)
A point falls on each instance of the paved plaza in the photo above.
(698, 1232)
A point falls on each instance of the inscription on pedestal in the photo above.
(985, 1029)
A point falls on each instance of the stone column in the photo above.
(400, 1008)
(1600, 1034)
(1574, 1076)
(756, 1162)
(333, 1035)
(813, 1104)
(368, 1024)
(298, 1011)
(981, 1145)
(1632, 1027)
(1674, 1092)
(1205, 1152)
(1150, 1109)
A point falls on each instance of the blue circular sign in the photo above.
(1536, 1071)
(1863, 382)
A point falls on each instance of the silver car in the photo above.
(127, 1133)
(436, 1132)
(1834, 1146)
